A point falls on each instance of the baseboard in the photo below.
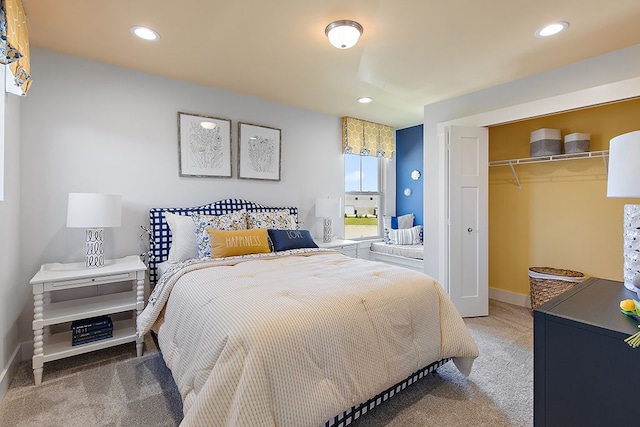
(9, 371)
(510, 297)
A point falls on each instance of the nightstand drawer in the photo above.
(349, 250)
(89, 281)
(345, 247)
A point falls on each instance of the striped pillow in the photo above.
(405, 236)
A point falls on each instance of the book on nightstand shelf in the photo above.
(92, 322)
(95, 332)
(92, 338)
(93, 329)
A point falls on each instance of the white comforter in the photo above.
(295, 339)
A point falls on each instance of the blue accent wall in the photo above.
(409, 157)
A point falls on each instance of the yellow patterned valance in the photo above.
(367, 138)
(14, 46)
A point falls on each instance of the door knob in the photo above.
(469, 229)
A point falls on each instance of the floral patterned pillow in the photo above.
(276, 220)
(231, 221)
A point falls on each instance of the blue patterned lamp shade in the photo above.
(95, 212)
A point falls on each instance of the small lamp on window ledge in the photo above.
(94, 212)
(328, 208)
(624, 182)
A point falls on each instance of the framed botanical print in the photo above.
(259, 152)
(204, 146)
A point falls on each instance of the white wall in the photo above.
(612, 67)
(92, 127)
(14, 292)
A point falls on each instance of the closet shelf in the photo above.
(542, 159)
(585, 155)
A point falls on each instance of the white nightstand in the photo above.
(346, 247)
(56, 276)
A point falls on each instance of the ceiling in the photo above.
(412, 52)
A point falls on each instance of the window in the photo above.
(361, 196)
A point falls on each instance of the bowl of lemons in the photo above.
(630, 307)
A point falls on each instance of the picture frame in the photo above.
(259, 152)
(204, 146)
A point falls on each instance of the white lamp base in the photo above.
(95, 248)
(631, 245)
(327, 234)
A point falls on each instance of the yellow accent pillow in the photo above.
(238, 242)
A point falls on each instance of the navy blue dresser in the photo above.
(584, 372)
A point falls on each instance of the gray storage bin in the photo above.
(577, 143)
(545, 142)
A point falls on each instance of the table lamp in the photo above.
(328, 208)
(624, 182)
(94, 212)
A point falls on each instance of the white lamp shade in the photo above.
(343, 34)
(92, 210)
(624, 166)
(328, 207)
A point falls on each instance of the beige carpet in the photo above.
(114, 388)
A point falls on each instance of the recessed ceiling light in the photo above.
(551, 29)
(365, 100)
(145, 33)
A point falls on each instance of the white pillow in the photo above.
(405, 221)
(183, 237)
(405, 236)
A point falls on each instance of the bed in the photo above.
(296, 335)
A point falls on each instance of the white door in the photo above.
(468, 212)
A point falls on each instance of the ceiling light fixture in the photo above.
(365, 99)
(551, 29)
(343, 34)
(145, 33)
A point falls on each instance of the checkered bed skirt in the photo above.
(160, 239)
(356, 412)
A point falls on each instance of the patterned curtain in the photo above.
(367, 138)
(14, 46)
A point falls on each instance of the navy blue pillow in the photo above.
(394, 222)
(291, 239)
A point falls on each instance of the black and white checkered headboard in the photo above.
(161, 235)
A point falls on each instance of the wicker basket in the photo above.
(546, 283)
